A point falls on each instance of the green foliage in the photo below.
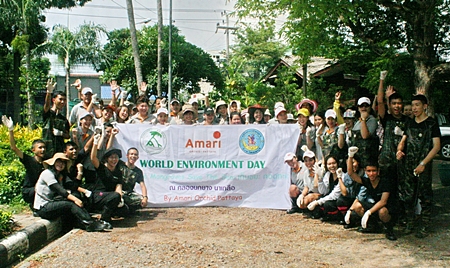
(12, 172)
(190, 63)
(6, 223)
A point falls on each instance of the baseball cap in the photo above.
(279, 110)
(109, 107)
(363, 100)
(278, 105)
(267, 112)
(83, 115)
(221, 102)
(303, 111)
(209, 111)
(349, 114)
(187, 108)
(309, 154)
(174, 100)
(330, 113)
(193, 100)
(86, 90)
(162, 111)
(290, 118)
(289, 156)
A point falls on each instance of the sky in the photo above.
(196, 19)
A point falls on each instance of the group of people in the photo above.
(352, 165)
(365, 168)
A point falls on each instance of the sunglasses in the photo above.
(364, 105)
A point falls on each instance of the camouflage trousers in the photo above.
(132, 198)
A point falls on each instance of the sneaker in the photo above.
(106, 224)
(293, 210)
(95, 226)
(390, 235)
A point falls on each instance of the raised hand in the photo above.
(352, 151)
(8, 122)
(50, 86)
(383, 75)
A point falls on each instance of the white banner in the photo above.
(235, 166)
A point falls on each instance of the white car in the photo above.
(444, 126)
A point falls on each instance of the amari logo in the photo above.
(251, 141)
(153, 141)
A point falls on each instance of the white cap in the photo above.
(278, 105)
(162, 111)
(193, 100)
(279, 110)
(363, 100)
(309, 154)
(289, 156)
(330, 113)
(86, 90)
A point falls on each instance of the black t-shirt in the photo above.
(383, 186)
(33, 170)
(107, 180)
(429, 123)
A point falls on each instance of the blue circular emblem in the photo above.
(153, 141)
(251, 141)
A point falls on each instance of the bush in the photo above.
(12, 172)
(6, 223)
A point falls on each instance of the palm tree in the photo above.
(81, 46)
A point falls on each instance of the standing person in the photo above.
(319, 120)
(311, 105)
(33, 164)
(328, 136)
(142, 116)
(235, 118)
(56, 127)
(209, 117)
(306, 136)
(162, 117)
(407, 111)
(122, 114)
(86, 105)
(393, 122)
(235, 106)
(133, 175)
(379, 189)
(52, 200)
(281, 116)
(419, 145)
(256, 113)
(364, 134)
(297, 173)
(175, 108)
(107, 115)
(267, 115)
(222, 113)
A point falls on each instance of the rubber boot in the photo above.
(421, 231)
(389, 231)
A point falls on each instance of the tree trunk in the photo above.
(134, 45)
(160, 33)
(16, 84)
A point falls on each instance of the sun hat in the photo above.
(56, 156)
(278, 104)
(112, 151)
(192, 101)
(220, 103)
(313, 104)
(187, 108)
(290, 118)
(267, 112)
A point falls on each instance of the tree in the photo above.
(81, 46)
(385, 27)
(134, 42)
(191, 64)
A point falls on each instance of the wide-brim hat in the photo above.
(220, 103)
(252, 109)
(311, 102)
(112, 151)
(56, 156)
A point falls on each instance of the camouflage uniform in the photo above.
(130, 178)
(54, 144)
(329, 140)
(368, 148)
(418, 144)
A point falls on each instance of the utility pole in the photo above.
(169, 85)
(227, 29)
(159, 60)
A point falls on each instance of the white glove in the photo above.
(341, 129)
(98, 129)
(365, 218)
(247, 118)
(50, 86)
(94, 98)
(301, 128)
(57, 132)
(352, 151)
(87, 193)
(123, 94)
(8, 122)
(313, 205)
(97, 138)
(319, 130)
(383, 75)
(121, 203)
(300, 200)
(318, 170)
(339, 173)
(347, 216)
(304, 148)
(398, 131)
(163, 103)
